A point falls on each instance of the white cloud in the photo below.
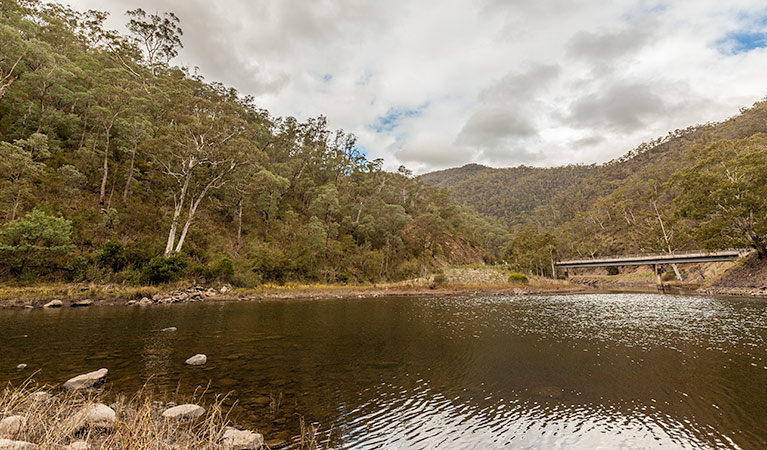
(439, 83)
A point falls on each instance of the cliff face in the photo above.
(747, 277)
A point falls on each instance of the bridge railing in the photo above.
(731, 251)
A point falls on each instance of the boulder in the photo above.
(54, 304)
(182, 412)
(132, 302)
(29, 307)
(170, 329)
(235, 439)
(78, 445)
(145, 302)
(82, 303)
(86, 381)
(197, 360)
(7, 444)
(21, 366)
(224, 289)
(12, 425)
(94, 415)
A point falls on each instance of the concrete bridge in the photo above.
(655, 260)
(660, 258)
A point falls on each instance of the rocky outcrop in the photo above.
(235, 439)
(184, 412)
(54, 304)
(86, 381)
(196, 360)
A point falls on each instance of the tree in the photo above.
(20, 168)
(36, 240)
(725, 192)
(269, 189)
(199, 150)
(159, 36)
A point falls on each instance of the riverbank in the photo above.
(34, 417)
(454, 281)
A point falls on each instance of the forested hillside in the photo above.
(116, 166)
(701, 187)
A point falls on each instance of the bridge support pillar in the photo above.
(658, 279)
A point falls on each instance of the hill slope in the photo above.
(621, 206)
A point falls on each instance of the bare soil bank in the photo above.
(748, 277)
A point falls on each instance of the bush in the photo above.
(36, 241)
(113, 256)
(78, 268)
(518, 278)
(164, 270)
(613, 270)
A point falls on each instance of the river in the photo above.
(631, 371)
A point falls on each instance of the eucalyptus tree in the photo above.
(725, 192)
(159, 36)
(198, 150)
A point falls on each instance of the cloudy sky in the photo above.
(442, 83)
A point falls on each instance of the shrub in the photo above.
(613, 270)
(36, 241)
(440, 278)
(518, 278)
(78, 268)
(164, 270)
(113, 256)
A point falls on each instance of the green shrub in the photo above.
(78, 268)
(440, 278)
(113, 256)
(223, 268)
(518, 278)
(37, 242)
(164, 270)
(613, 270)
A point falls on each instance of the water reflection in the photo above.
(586, 371)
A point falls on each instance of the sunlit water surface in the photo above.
(630, 371)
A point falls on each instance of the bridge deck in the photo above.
(642, 260)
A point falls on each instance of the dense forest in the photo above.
(116, 166)
(704, 187)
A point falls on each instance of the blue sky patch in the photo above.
(394, 117)
(752, 35)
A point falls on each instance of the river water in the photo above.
(629, 371)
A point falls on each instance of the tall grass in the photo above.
(140, 425)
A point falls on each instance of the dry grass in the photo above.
(140, 425)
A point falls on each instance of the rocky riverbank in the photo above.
(79, 415)
(84, 296)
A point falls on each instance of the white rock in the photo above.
(224, 289)
(197, 360)
(144, 302)
(187, 411)
(241, 439)
(21, 366)
(170, 329)
(82, 303)
(132, 302)
(54, 304)
(96, 415)
(78, 445)
(86, 381)
(7, 444)
(12, 425)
